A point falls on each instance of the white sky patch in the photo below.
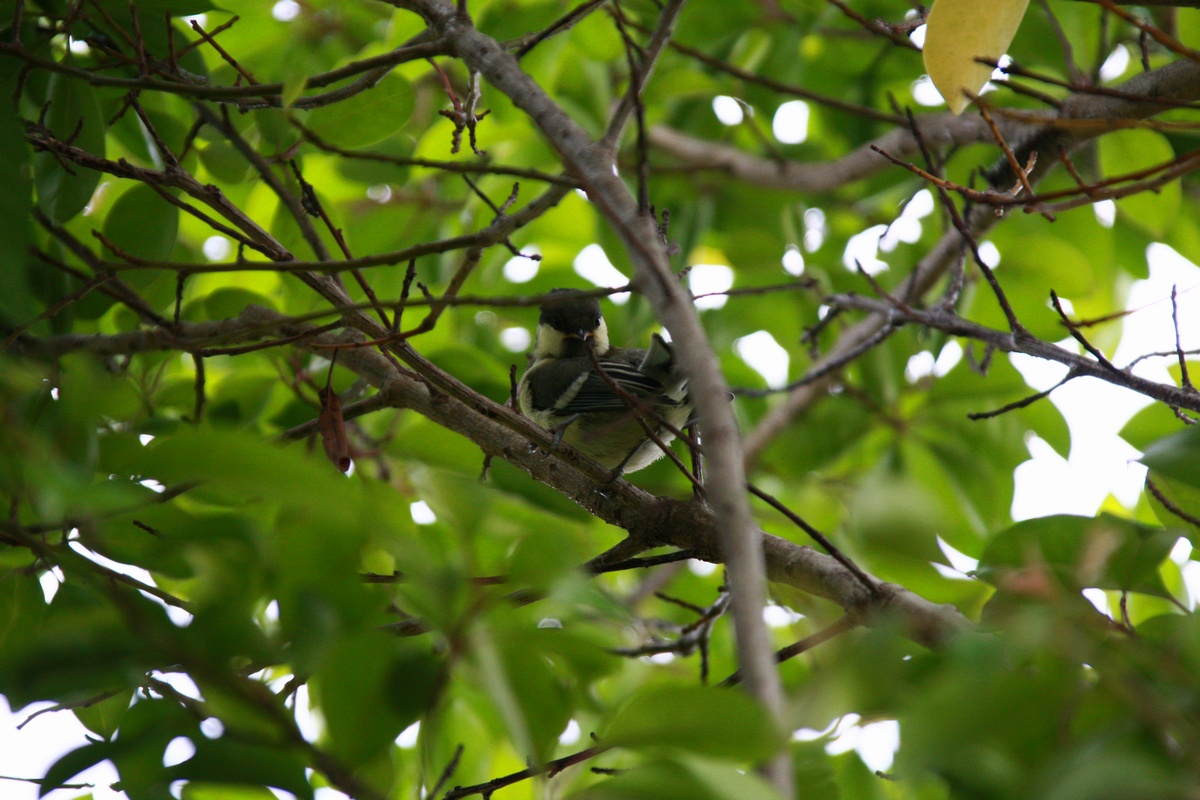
(1191, 579)
(422, 514)
(50, 580)
(926, 94)
(1181, 553)
(903, 229)
(520, 269)
(701, 568)
(907, 227)
(177, 615)
(592, 264)
(728, 110)
(79, 47)
(216, 248)
(179, 682)
(570, 734)
(960, 561)
(920, 365)
(1106, 212)
(814, 229)
(178, 750)
(948, 359)
(793, 261)
(308, 719)
(1115, 65)
(790, 124)
(812, 734)
(990, 254)
(765, 356)
(875, 742)
(998, 74)
(920, 206)
(707, 278)
(407, 739)
(516, 340)
(863, 248)
(285, 10)
(780, 616)
(212, 728)
(1100, 461)
(917, 37)
(380, 193)
(923, 364)
(1098, 598)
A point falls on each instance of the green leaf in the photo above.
(1176, 456)
(1107, 552)
(231, 761)
(367, 117)
(156, 8)
(1128, 151)
(74, 114)
(681, 780)
(720, 723)
(142, 224)
(17, 303)
(370, 688)
(74, 762)
(1175, 504)
(103, 718)
(1153, 422)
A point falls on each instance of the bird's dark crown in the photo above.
(570, 312)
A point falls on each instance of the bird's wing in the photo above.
(597, 394)
(572, 386)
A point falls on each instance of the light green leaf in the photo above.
(368, 117)
(1128, 151)
(720, 723)
(681, 780)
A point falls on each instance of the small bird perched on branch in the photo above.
(597, 398)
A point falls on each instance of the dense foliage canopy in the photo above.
(248, 245)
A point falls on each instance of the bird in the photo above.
(576, 380)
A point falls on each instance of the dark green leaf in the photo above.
(74, 114)
(142, 224)
(1176, 456)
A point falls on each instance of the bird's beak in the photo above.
(584, 336)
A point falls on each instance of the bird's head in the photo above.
(569, 325)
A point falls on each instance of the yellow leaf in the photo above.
(960, 31)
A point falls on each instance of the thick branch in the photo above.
(651, 521)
